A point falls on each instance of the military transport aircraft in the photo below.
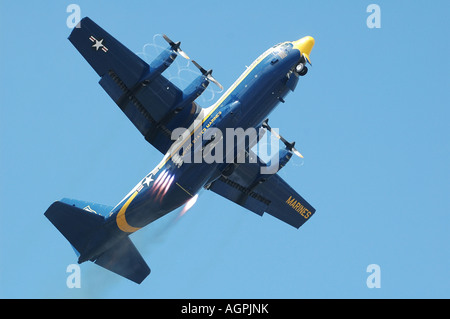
(159, 109)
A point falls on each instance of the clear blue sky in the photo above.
(371, 118)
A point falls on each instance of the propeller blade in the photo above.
(289, 146)
(209, 77)
(171, 43)
(199, 67)
(207, 74)
(183, 54)
(294, 150)
(176, 47)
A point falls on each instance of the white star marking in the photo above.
(98, 44)
(148, 180)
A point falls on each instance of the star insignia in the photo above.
(98, 44)
(148, 180)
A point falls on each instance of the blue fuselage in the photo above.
(244, 105)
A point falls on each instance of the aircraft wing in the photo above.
(263, 193)
(123, 76)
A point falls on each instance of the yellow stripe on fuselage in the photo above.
(120, 218)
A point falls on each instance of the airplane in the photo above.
(157, 108)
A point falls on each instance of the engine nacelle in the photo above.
(194, 90)
(284, 157)
(185, 108)
(275, 164)
(159, 65)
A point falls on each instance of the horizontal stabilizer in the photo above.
(75, 224)
(125, 260)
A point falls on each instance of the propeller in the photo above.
(208, 75)
(176, 47)
(289, 146)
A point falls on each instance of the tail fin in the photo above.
(81, 228)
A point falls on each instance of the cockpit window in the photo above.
(281, 49)
(281, 44)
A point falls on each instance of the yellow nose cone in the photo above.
(304, 45)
